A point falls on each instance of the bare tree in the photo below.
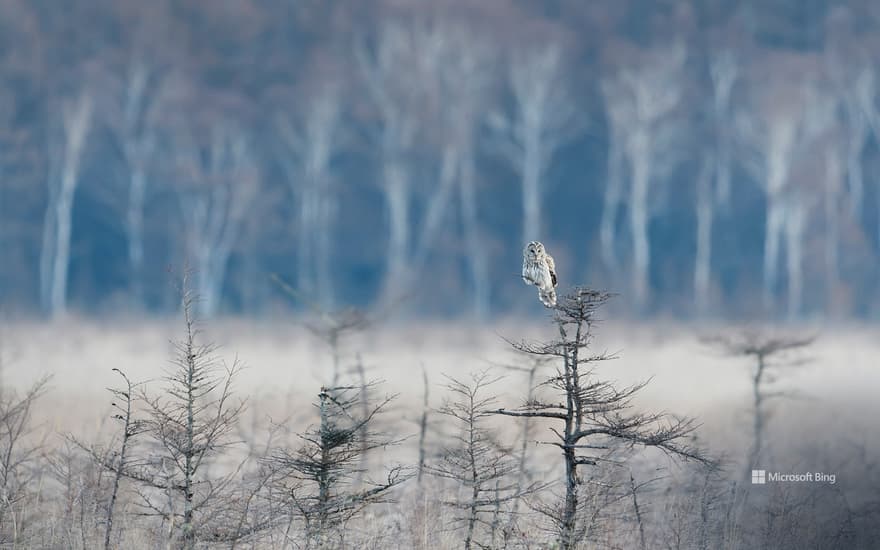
(412, 70)
(395, 97)
(771, 356)
(642, 101)
(478, 463)
(219, 181)
(594, 414)
(464, 79)
(423, 425)
(189, 428)
(713, 178)
(705, 219)
(724, 72)
(20, 453)
(315, 482)
(134, 123)
(71, 123)
(787, 118)
(310, 145)
(543, 119)
(864, 100)
(616, 121)
(118, 461)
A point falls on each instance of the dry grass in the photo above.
(286, 365)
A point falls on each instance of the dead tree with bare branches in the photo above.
(20, 454)
(770, 354)
(187, 429)
(594, 414)
(316, 483)
(117, 461)
(478, 463)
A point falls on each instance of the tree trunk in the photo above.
(833, 181)
(324, 249)
(305, 255)
(436, 209)
(63, 226)
(758, 418)
(610, 204)
(135, 234)
(47, 250)
(475, 252)
(76, 121)
(772, 237)
(722, 170)
(794, 233)
(705, 215)
(854, 175)
(397, 203)
(639, 227)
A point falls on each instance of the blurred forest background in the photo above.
(699, 157)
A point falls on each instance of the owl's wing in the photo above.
(551, 265)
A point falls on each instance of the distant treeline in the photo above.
(699, 157)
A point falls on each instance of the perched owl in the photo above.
(539, 269)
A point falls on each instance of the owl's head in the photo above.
(534, 249)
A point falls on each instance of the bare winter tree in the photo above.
(71, 121)
(117, 461)
(484, 471)
(524, 470)
(641, 101)
(464, 81)
(315, 483)
(772, 355)
(713, 178)
(435, 75)
(134, 123)
(188, 430)
(788, 115)
(310, 145)
(864, 103)
(395, 96)
(851, 72)
(543, 119)
(705, 218)
(220, 179)
(616, 114)
(20, 453)
(594, 415)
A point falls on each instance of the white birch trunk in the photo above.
(214, 208)
(397, 203)
(772, 237)
(76, 122)
(610, 205)
(639, 218)
(833, 183)
(437, 205)
(134, 229)
(794, 237)
(305, 238)
(705, 218)
(476, 253)
(858, 137)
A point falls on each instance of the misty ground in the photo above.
(828, 425)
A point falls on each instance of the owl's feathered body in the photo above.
(539, 269)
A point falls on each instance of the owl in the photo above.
(539, 269)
